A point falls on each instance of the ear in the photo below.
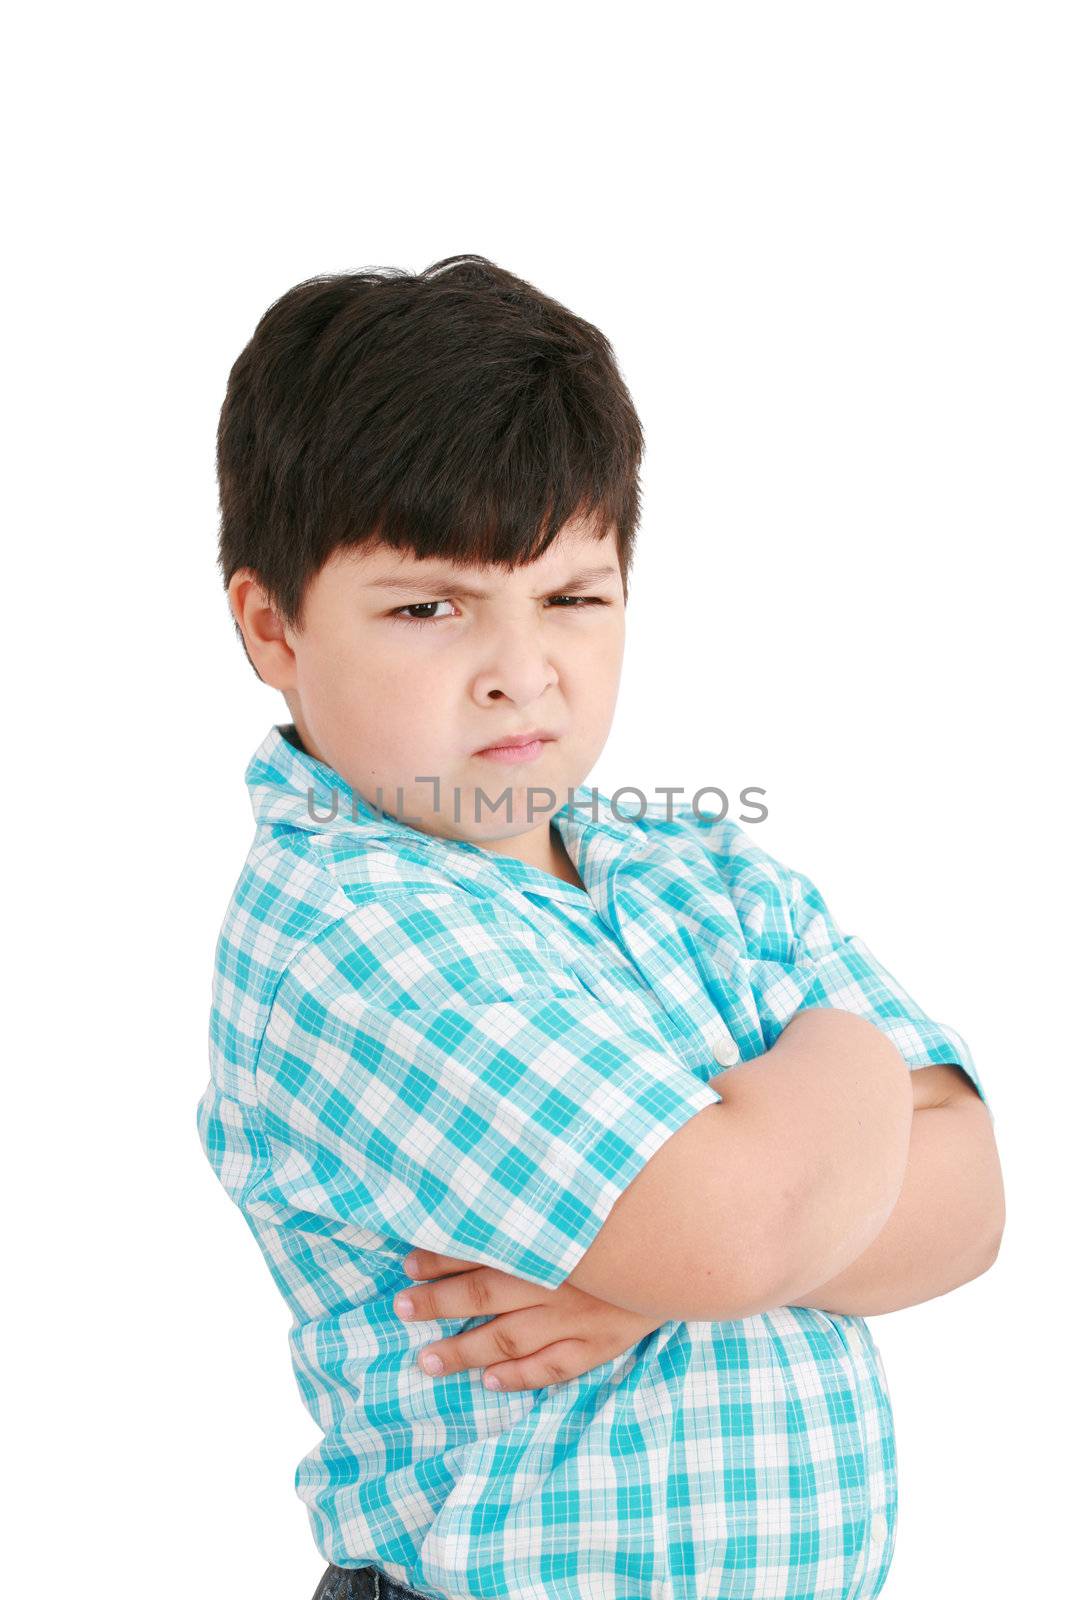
(262, 630)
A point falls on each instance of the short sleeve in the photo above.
(828, 968)
(433, 1075)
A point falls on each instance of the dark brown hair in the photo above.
(457, 413)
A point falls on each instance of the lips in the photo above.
(517, 740)
(518, 750)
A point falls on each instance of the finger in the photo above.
(485, 1292)
(428, 1264)
(555, 1363)
(504, 1339)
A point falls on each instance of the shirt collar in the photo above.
(290, 788)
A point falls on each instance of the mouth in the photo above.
(520, 747)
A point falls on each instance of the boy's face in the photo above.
(391, 702)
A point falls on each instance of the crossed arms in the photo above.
(831, 1175)
(828, 1176)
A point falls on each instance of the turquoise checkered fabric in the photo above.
(418, 1042)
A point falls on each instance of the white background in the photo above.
(827, 244)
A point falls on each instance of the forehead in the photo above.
(575, 552)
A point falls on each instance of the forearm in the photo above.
(945, 1227)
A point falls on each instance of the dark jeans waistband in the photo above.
(361, 1583)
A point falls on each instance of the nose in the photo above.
(515, 665)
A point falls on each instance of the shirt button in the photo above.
(726, 1053)
(879, 1527)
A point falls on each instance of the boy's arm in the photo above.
(783, 1184)
(946, 1226)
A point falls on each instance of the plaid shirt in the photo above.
(418, 1042)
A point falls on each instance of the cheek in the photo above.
(386, 710)
(595, 671)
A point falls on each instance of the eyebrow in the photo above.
(456, 584)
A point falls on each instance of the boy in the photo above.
(606, 1091)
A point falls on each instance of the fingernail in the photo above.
(409, 1264)
(491, 1381)
(432, 1363)
(404, 1306)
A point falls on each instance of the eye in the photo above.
(420, 605)
(573, 602)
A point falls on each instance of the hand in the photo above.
(536, 1336)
